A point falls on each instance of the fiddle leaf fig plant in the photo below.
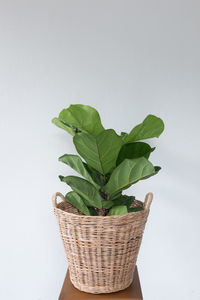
(108, 163)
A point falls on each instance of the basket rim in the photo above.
(146, 208)
(102, 217)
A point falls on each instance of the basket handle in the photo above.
(54, 198)
(148, 200)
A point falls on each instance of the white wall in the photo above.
(127, 59)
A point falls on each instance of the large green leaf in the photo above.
(75, 162)
(99, 152)
(118, 210)
(96, 176)
(85, 189)
(152, 126)
(134, 150)
(127, 173)
(83, 117)
(76, 201)
(63, 125)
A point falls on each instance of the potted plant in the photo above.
(100, 226)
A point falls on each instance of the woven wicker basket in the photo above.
(101, 250)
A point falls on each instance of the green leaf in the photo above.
(152, 126)
(134, 150)
(115, 196)
(96, 176)
(85, 189)
(99, 152)
(124, 200)
(128, 172)
(107, 204)
(75, 162)
(83, 117)
(123, 135)
(63, 125)
(76, 201)
(118, 210)
(157, 169)
(134, 209)
(93, 212)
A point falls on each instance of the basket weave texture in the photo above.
(101, 251)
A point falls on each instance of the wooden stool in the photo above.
(133, 292)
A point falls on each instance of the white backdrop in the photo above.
(127, 59)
